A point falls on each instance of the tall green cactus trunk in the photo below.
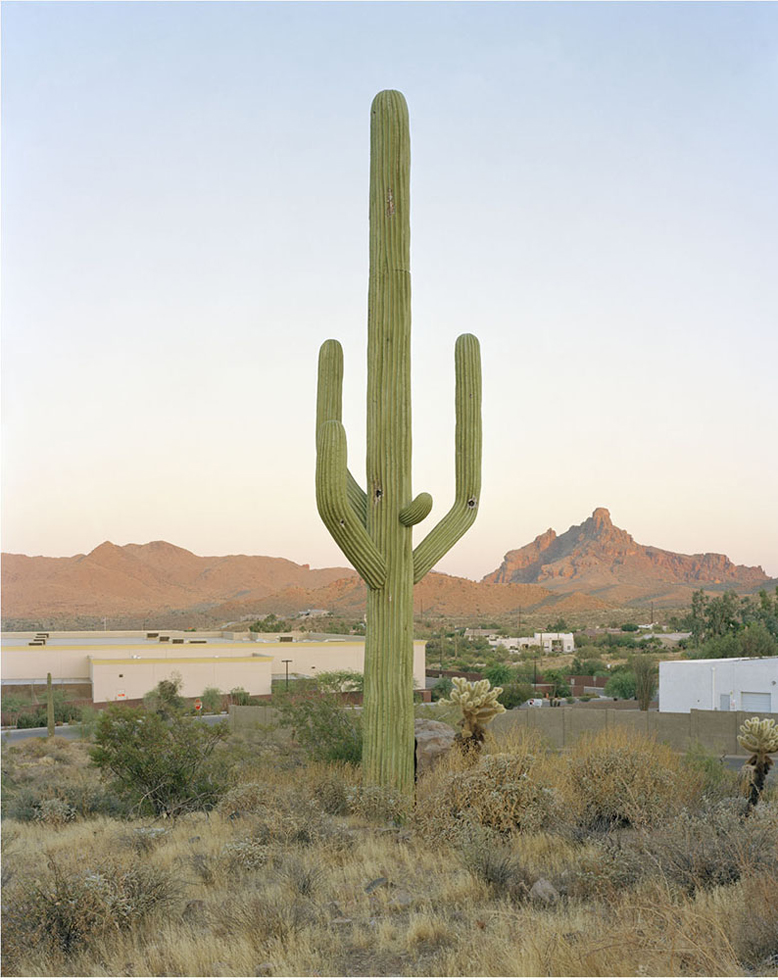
(374, 529)
(49, 707)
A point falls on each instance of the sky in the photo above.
(185, 197)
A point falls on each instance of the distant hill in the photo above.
(146, 579)
(601, 559)
(592, 566)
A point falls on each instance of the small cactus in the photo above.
(761, 739)
(478, 703)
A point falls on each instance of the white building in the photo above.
(741, 684)
(549, 642)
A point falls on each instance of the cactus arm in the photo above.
(467, 443)
(329, 406)
(335, 506)
(416, 510)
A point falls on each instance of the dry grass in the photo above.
(293, 871)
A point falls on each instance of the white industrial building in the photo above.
(125, 665)
(739, 684)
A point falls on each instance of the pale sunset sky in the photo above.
(185, 197)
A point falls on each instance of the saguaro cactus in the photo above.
(374, 527)
(49, 707)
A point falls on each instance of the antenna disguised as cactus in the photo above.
(49, 707)
(761, 739)
(478, 703)
(374, 527)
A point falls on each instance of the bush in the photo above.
(494, 862)
(618, 778)
(162, 764)
(326, 729)
(515, 694)
(504, 792)
(715, 847)
(442, 688)
(66, 910)
(621, 684)
(212, 700)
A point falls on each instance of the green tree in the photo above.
(559, 685)
(499, 675)
(163, 763)
(621, 684)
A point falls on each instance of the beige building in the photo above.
(126, 665)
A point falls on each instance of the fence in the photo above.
(716, 731)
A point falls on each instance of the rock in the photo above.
(371, 886)
(219, 969)
(433, 740)
(193, 839)
(401, 900)
(544, 892)
(341, 920)
(263, 970)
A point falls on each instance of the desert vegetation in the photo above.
(617, 857)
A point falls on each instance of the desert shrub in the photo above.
(717, 781)
(326, 729)
(79, 798)
(212, 700)
(607, 869)
(377, 803)
(63, 910)
(492, 860)
(753, 926)
(143, 840)
(441, 688)
(620, 778)
(55, 812)
(714, 847)
(300, 877)
(515, 693)
(248, 798)
(161, 762)
(165, 699)
(504, 791)
(330, 787)
(245, 854)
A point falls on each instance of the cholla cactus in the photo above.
(478, 703)
(760, 738)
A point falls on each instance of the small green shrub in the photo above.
(325, 728)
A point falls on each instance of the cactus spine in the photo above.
(374, 528)
(49, 707)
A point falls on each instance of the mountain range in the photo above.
(591, 566)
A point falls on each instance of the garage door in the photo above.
(755, 701)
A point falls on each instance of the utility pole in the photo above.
(286, 665)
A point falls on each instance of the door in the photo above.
(724, 702)
(755, 701)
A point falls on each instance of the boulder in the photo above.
(544, 892)
(433, 740)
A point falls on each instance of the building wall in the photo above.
(702, 684)
(116, 679)
(309, 658)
